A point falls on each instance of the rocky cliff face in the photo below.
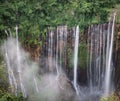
(37, 51)
(117, 58)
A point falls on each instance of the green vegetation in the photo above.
(82, 56)
(113, 97)
(10, 97)
(34, 16)
(3, 76)
(118, 13)
(4, 88)
(70, 58)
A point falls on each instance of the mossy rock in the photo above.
(112, 97)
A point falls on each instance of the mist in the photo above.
(30, 79)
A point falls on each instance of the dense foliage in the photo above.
(113, 97)
(4, 88)
(10, 97)
(3, 76)
(33, 16)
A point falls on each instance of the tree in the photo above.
(33, 16)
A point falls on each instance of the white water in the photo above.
(61, 44)
(57, 55)
(76, 59)
(12, 80)
(90, 69)
(19, 64)
(97, 52)
(50, 51)
(26, 72)
(65, 47)
(36, 85)
(100, 46)
(109, 60)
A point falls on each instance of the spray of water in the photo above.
(38, 86)
(109, 59)
(76, 59)
(100, 46)
(26, 76)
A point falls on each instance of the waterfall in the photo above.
(36, 85)
(50, 51)
(19, 64)
(76, 58)
(11, 76)
(100, 47)
(109, 59)
(61, 41)
(61, 45)
(57, 45)
(64, 54)
(90, 61)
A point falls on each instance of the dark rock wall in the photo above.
(117, 58)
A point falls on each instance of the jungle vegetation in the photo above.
(34, 16)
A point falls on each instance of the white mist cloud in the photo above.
(37, 87)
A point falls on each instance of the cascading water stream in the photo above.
(50, 50)
(65, 46)
(109, 60)
(90, 44)
(62, 44)
(61, 30)
(19, 64)
(76, 59)
(100, 46)
(103, 55)
(12, 80)
(57, 69)
(100, 43)
(36, 85)
(9, 70)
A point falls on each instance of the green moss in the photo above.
(3, 75)
(113, 97)
(70, 58)
(82, 56)
(10, 97)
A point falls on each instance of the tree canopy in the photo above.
(33, 16)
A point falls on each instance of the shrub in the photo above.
(10, 97)
(113, 97)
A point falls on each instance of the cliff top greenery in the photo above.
(33, 16)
